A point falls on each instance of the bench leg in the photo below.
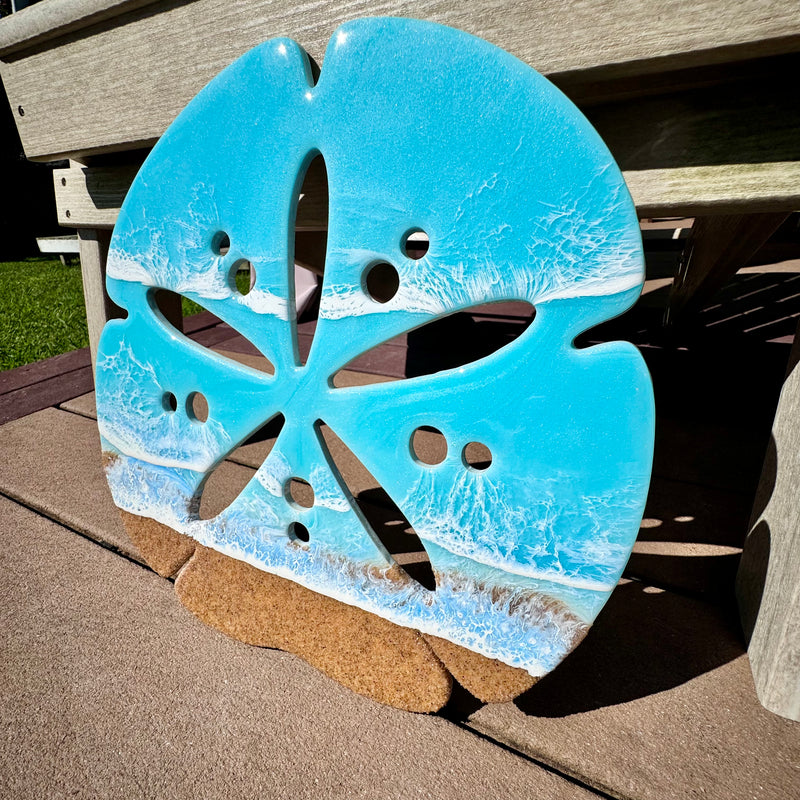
(717, 248)
(93, 245)
(768, 582)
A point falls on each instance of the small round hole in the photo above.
(63, 181)
(477, 456)
(197, 407)
(382, 282)
(220, 243)
(21, 111)
(428, 445)
(169, 402)
(299, 493)
(68, 213)
(416, 244)
(298, 532)
(242, 277)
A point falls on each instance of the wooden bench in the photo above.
(60, 245)
(699, 104)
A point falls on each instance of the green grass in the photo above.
(42, 312)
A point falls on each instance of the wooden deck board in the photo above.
(30, 374)
(43, 394)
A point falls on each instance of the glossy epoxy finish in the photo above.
(422, 128)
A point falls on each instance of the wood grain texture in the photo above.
(91, 197)
(30, 374)
(121, 81)
(680, 27)
(99, 307)
(718, 189)
(716, 250)
(693, 190)
(768, 586)
(43, 394)
(37, 24)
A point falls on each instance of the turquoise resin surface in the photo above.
(422, 128)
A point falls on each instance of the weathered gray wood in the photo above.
(717, 248)
(768, 583)
(34, 25)
(91, 197)
(99, 307)
(693, 33)
(119, 85)
(94, 244)
(58, 244)
(719, 189)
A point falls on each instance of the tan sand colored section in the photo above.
(164, 549)
(490, 680)
(366, 653)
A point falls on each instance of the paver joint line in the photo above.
(99, 542)
(548, 766)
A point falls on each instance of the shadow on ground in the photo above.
(717, 380)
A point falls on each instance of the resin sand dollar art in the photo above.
(422, 128)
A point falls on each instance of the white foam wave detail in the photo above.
(262, 301)
(574, 249)
(522, 627)
(176, 254)
(326, 493)
(274, 473)
(511, 528)
(149, 491)
(131, 417)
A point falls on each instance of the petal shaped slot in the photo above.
(529, 415)
(143, 411)
(310, 223)
(171, 307)
(230, 477)
(447, 342)
(384, 516)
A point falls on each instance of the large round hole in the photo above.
(416, 244)
(242, 276)
(220, 243)
(169, 402)
(197, 407)
(428, 445)
(299, 492)
(382, 282)
(477, 456)
(298, 532)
